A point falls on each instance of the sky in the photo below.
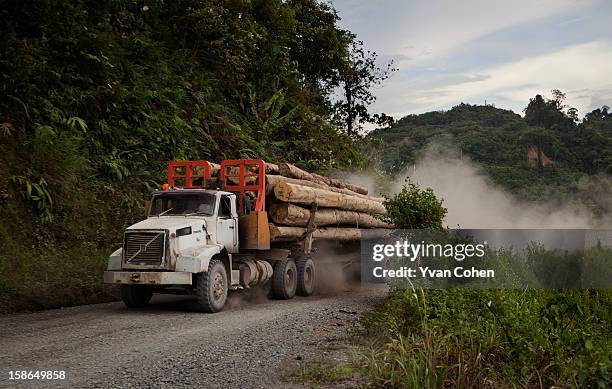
(472, 51)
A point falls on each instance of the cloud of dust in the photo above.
(255, 295)
(474, 202)
(337, 266)
(365, 180)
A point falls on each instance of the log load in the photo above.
(273, 180)
(286, 234)
(343, 212)
(292, 215)
(291, 171)
(299, 194)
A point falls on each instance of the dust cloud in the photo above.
(337, 266)
(475, 202)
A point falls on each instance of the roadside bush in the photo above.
(415, 208)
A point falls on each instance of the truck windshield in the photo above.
(171, 204)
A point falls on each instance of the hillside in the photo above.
(548, 150)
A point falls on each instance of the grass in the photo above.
(325, 373)
(480, 338)
(490, 338)
(52, 277)
(322, 373)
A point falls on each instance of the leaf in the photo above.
(74, 121)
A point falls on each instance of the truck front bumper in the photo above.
(148, 277)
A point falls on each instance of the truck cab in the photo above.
(201, 239)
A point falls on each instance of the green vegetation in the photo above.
(499, 141)
(491, 338)
(318, 373)
(96, 97)
(414, 208)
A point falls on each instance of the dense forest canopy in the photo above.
(114, 89)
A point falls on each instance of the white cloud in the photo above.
(582, 71)
(423, 29)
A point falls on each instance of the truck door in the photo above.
(227, 225)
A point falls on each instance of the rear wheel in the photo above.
(136, 296)
(284, 280)
(212, 287)
(305, 277)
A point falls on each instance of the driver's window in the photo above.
(225, 208)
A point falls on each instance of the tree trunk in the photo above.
(273, 180)
(300, 194)
(287, 234)
(293, 215)
(289, 170)
(215, 168)
(271, 168)
(348, 93)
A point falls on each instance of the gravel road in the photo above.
(253, 344)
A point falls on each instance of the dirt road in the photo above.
(251, 344)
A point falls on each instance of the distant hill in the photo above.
(547, 150)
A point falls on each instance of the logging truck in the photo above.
(208, 232)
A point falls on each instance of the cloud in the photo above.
(435, 27)
(581, 71)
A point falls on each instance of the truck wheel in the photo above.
(212, 287)
(284, 280)
(305, 277)
(135, 296)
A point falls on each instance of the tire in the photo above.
(212, 287)
(284, 279)
(306, 276)
(136, 296)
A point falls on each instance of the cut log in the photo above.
(215, 168)
(286, 234)
(299, 194)
(292, 215)
(271, 168)
(272, 180)
(289, 170)
(333, 182)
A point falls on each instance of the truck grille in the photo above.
(148, 247)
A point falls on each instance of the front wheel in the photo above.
(136, 296)
(212, 287)
(284, 279)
